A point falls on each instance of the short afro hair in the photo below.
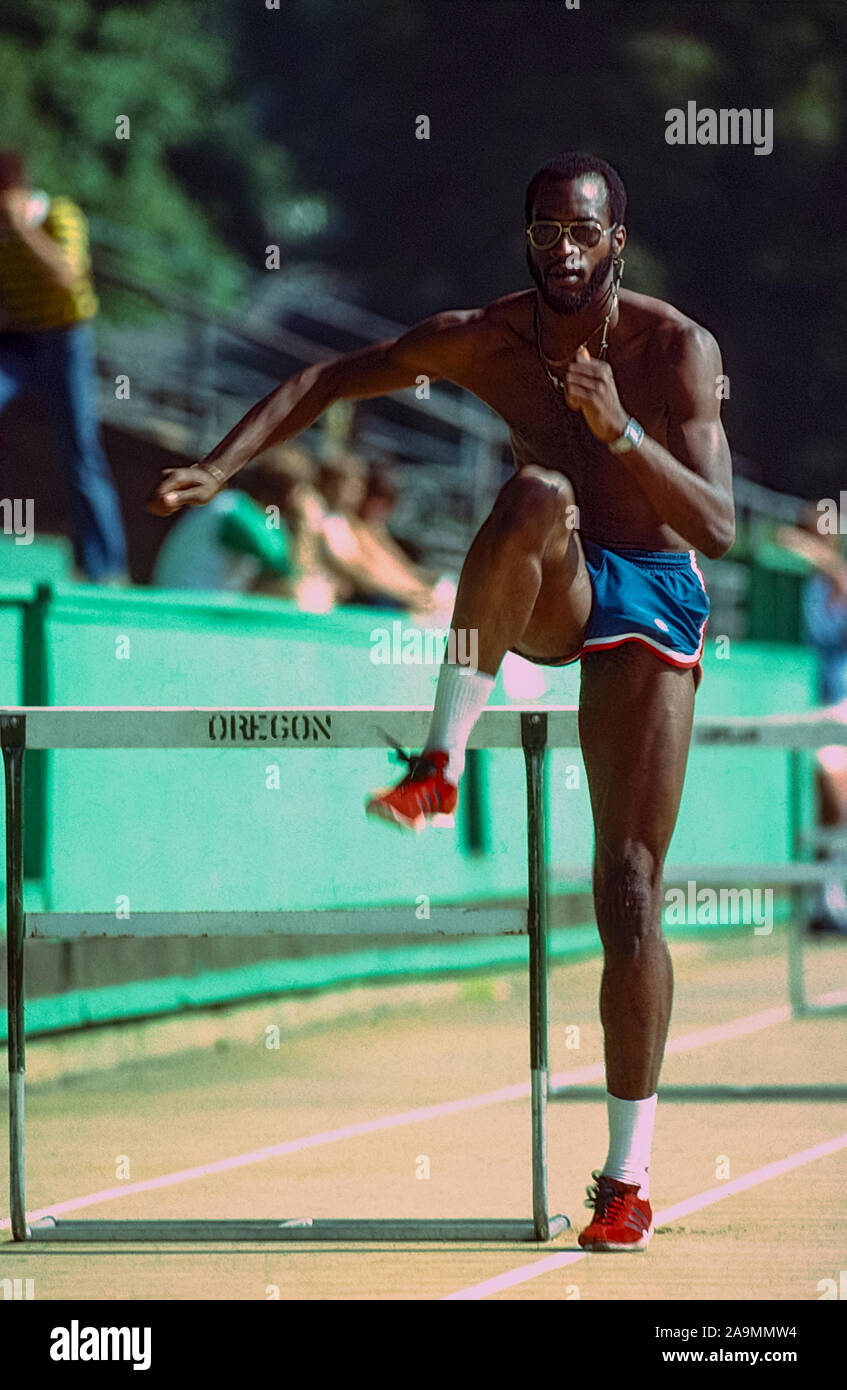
(570, 166)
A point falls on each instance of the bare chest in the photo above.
(545, 431)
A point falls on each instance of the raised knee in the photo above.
(536, 499)
(627, 894)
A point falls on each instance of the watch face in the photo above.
(630, 439)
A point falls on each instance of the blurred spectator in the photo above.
(825, 623)
(308, 582)
(370, 566)
(371, 524)
(241, 533)
(47, 303)
(315, 534)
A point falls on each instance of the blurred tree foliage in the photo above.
(229, 99)
(192, 195)
(744, 243)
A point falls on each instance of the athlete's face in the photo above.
(569, 276)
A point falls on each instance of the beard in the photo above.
(567, 302)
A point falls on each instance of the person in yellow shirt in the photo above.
(47, 303)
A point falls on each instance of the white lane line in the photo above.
(701, 1037)
(524, 1273)
(289, 1146)
(835, 996)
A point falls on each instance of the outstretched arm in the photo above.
(689, 483)
(437, 347)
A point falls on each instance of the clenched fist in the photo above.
(182, 487)
(591, 388)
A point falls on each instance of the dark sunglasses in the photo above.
(546, 234)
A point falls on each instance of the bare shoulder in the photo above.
(509, 317)
(489, 320)
(672, 339)
(447, 323)
(442, 345)
(450, 344)
(681, 356)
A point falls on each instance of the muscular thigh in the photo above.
(635, 721)
(559, 618)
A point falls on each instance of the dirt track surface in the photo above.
(150, 1121)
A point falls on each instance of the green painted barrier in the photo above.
(145, 999)
(42, 560)
(159, 830)
(224, 830)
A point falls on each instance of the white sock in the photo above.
(460, 698)
(630, 1138)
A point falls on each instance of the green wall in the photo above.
(173, 830)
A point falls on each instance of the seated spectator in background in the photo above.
(47, 304)
(825, 622)
(369, 565)
(371, 526)
(240, 534)
(308, 582)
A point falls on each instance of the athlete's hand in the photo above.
(591, 388)
(182, 487)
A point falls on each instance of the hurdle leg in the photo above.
(796, 975)
(13, 757)
(534, 740)
(797, 894)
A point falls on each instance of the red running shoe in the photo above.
(622, 1219)
(424, 797)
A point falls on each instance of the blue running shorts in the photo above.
(655, 597)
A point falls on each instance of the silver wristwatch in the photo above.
(630, 439)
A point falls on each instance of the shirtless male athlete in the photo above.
(613, 405)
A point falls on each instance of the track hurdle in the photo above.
(798, 734)
(309, 727)
(534, 731)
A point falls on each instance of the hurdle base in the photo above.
(49, 1228)
(718, 1092)
(807, 1010)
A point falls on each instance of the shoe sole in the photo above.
(440, 820)
(612, 1247)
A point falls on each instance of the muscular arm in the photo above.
(441, 346)
(689, 483)
(437, 347)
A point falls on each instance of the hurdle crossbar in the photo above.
(319, 727)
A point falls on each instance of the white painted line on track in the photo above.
(701, 1037)
(524, 1273)
(288, 1146)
